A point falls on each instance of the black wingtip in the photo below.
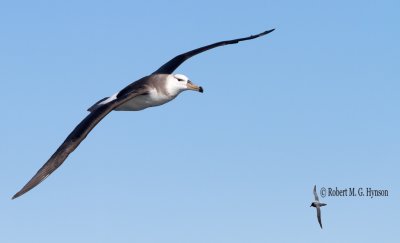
(21, 192)
(18, 194)
(266, 32)
(258, 35)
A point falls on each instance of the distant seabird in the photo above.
(316, 204)
(156, 89)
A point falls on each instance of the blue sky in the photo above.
(315, 102)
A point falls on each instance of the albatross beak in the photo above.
(194, 87)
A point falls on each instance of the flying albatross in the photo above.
(156, 89)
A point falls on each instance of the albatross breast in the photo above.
(150, 99)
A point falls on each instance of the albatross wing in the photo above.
(175, 62)
(74, 139)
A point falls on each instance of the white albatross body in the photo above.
(161, 91)
(154, 98)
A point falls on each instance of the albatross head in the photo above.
(182, 83)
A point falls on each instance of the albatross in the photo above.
(155, 89)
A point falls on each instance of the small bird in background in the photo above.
(316, 204)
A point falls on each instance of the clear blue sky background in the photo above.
(315, 102)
